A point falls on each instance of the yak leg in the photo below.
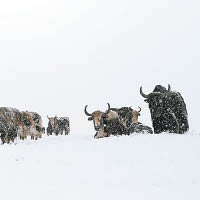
(67, 131)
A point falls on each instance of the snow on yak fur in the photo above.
(127, 115)
(14, 123)
(168, 110)
(129, 118)
(114, 121)
(58, 125)
(106, 123)
(31, 126)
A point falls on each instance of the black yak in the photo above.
(168, 110)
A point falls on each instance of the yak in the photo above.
(114, 121)
(168, 110)
(127, 115)
(14, 123)
(58, 125)
(129, 118)
(106, 123)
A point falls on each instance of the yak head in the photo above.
(135, 115)
(156, 100)
(27, 119)
(97, 117)
(52, 121)
(36, 118)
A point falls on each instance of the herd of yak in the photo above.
(167, 108)
(168, 114)
(15, 124)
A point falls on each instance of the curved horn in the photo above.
(169, 87)
(86, 112)
(140, 109)
(144, 95)
(108, 108)
(130, 108)
(48, 117)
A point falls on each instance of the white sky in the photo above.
(57, 56)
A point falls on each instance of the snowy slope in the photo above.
(158, 167)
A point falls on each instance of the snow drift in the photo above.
(164, 166)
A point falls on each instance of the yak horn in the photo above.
(108, 108)
(169, 87)
(86, 112)
(144, 95)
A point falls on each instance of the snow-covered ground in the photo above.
(157, 167)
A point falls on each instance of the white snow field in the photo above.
(157, 167)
